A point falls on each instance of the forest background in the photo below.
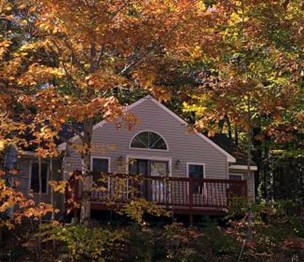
(230, 67)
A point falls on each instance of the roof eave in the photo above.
(243, 167)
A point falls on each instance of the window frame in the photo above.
(109, 166)
(236, 174)
(149, 149)
(131, 157)
(152, 158)
(203, 190)
(47, 178)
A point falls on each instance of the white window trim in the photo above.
(149, 149)
(101, 157)
(204, 176)
(196, 164)
(47, 179)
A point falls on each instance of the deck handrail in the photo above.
(167, 191)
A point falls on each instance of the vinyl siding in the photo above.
(24, 176)
(109, 141)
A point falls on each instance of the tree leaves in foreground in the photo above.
(97, 48)
(256, 81)
(65, 61)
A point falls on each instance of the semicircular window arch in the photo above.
(149, 140)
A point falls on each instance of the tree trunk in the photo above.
(52, 191)
(228, 126)
(249, 173)
(85, 209)
(236, 136)
(39, 201)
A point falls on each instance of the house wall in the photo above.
(24, 176)
(249, 179)
(184, 145)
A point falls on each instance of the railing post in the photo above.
(133, 187)
(167, 192)
(190, 200)
(191, 192)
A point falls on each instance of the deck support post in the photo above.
(191, 220)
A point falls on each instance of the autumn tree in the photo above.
(15, 28)
(255, 85)
(90, 50)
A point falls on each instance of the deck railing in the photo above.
(168, 191)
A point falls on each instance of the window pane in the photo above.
(153, 139)
(35, 177)
(138, 167)
(235, 177)
(141, 140)
(156, 142)
(197, 172)
(133, 166)
(159, 168)
(149, 140)
(160, 145)
(100, 165)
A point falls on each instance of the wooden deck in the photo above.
(181, 195)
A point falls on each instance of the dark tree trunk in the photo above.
(85, 209)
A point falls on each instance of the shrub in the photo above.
(83, 243)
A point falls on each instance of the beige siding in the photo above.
(249, 179)
(109, 141)
(24, 176)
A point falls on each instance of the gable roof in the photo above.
(230, 158)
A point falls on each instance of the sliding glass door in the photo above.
(151, 189)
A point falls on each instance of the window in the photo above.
(196, 171)
(149, 140)
(235, 188)
(236, 177)
(99, 166)
(35, 177)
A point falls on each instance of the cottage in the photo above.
(165, 162)
(182, 170)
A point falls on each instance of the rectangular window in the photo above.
(99, 166)
(236, 177)
(35, 177)
(235, 189)
(196, 171)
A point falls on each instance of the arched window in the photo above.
(149, 140)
